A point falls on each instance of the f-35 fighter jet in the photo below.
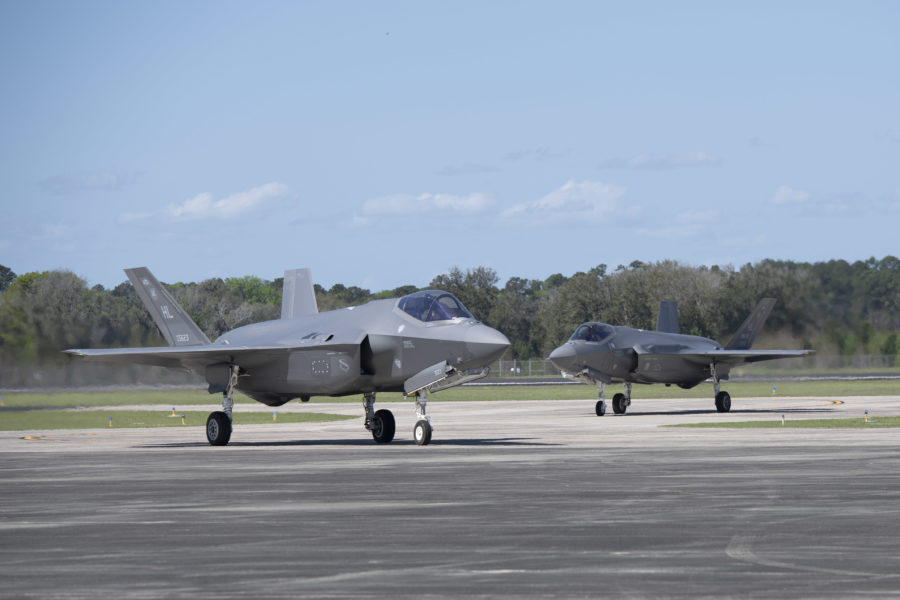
(600, 354)
(423, 342)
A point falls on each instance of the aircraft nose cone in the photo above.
(485, 343)
(564, 358)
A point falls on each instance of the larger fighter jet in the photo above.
(423, 342)
(600, 354)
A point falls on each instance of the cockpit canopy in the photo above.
(433, 305)
(592, 332)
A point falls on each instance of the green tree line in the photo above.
(834, 307)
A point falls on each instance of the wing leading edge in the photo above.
(729, 357)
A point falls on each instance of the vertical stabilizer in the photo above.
(175, 325)
(298, 297)
(667, 319)
(751, 327)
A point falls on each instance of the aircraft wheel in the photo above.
(383, 426)
(619, 404)
(218, 428)
(600, 408)
(723, 402)
(422, 432)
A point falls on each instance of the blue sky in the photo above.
(381, 143)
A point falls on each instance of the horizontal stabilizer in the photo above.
(174, 324)
(667, 319)
(298, 296)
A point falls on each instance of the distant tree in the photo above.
(6, 278)
(476, 288)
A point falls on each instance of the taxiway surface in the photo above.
(511, 499)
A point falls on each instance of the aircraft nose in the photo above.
(485, 343)
(564, 358)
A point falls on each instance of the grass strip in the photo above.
(122, 419)
(738, 389)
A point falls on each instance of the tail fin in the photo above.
(298, 297)
(667, 319)
(175, 325)
(743, 339)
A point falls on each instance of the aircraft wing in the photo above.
(199, 357)
(730, 357)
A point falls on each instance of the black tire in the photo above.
(383, 426)
(422, 433)
(218, 428)
(600, 408)
(619, 405)
(723, 402)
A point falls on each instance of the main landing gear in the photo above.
(723, 399)
(620, 402)
(218, 424)
(383, 426)
(381, 423)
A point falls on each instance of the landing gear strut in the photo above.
(422, 430)
(600, 408)
(620, 402)
(723, 399)
(381, 423)
(218, 424)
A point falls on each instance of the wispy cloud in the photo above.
(662, 161)
(785, 195)
(54, 231)
(205, 206)
(575, 203)
(467, 169)
(133, 217)
(686, 225)
(541, 153)
(59, 185)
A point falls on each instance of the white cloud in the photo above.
(786, 195)
(662, 161)
(401, 205)
(576, 202)
(204, 206)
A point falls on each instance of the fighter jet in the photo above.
(600, 354)
(423, 342)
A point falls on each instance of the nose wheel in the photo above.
(422, 433)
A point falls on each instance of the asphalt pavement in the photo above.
(511, 500)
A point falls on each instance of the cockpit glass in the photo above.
(592, 332)
(433, 305)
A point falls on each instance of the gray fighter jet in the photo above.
(600, 354)
(423, 342)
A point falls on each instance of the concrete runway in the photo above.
(511, 499)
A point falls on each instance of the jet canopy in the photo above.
(433, 305)
(592, 332)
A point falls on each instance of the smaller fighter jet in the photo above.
(600, 354)
(423, 342)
